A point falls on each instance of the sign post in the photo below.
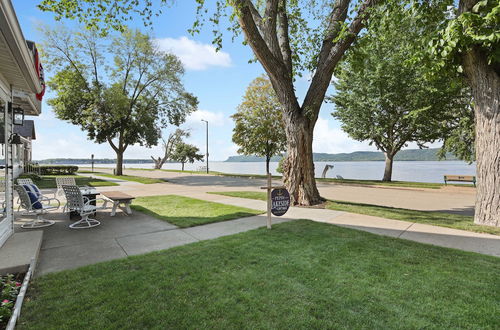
(278, 200)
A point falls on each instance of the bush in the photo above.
(9, 289)
(32, 176)
(58, 169)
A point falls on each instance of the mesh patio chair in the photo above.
(61, 181)
(22, 182)
(78, 203)
(35, 204)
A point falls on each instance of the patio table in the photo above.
(119, 200)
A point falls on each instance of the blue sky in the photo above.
(218, 80)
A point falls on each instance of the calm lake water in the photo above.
(425, 171)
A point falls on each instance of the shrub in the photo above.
(58, 169)
(9, 289)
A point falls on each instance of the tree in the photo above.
(259, 128)
(471, 40)
(168, 146)
(186, 153)
(287, 38)
(125, 99)
(386, 97)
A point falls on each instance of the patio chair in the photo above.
(24, 181)
(61, 181)
(35, 204)
(78, 203)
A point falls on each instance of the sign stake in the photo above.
(269, 187)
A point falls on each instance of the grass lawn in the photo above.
(300, 274)
(49, 181)
(443, 219)
(187, 212)
(134, 178)
(261, 196)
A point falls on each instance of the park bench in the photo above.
(460, 178)
(119, 200)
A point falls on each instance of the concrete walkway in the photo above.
(440, 236)
(121, 236)
(451, 199)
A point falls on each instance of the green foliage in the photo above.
(308, 20)
(385, 93)
(186, 153)
(259, 128)
(9, 289)
(460, 141)
(123, 100)
(56, 169)
(477, 27)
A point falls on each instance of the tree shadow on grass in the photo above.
(185, 222)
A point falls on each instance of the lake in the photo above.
(419, 171)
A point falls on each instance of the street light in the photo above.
(206, 121)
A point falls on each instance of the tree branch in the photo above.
(324, 71)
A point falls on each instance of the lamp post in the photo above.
(206, 121)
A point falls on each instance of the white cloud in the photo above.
(214, 118)
(193, 54)
(334, 140)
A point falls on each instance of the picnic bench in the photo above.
(460, 178)
(119, 200)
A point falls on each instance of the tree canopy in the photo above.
(387, 97)
(259, 128)
(186, 153)
(123, 99)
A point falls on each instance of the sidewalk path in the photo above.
(436, 235)
(441, 236)
(451, 199)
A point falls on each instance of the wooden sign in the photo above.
(280, 201)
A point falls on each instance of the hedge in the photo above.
(57, 169)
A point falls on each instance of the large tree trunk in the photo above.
(298, 167)
(389, 159)
(268, 159)
(183, 166)
(119, 163)
(485, 84)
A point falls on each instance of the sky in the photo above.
(218, 79)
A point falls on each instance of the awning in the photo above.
(17, 63)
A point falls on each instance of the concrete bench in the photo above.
(119, 200)
(460, 178)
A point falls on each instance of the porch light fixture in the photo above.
(18, 116)
(15, 139)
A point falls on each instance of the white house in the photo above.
(21, 90)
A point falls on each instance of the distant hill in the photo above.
(359, 156)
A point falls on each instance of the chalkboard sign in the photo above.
(280, 201)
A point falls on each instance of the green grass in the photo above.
(443, 219)
(261, 196)
(49, 181)
(133, 178)
(187, 212)
(300, 275)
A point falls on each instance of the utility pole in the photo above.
(206, 157)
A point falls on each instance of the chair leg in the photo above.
(85, 222)
(39, 222)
